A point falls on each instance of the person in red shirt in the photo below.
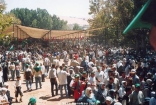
(76, 56)
(78, 86)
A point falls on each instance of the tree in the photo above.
(39, 18)
(58, 24)
(77, 27)
(115, 15)
(6, 20)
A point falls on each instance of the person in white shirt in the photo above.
(43, 72)
(99, 76)
(92, 81)
(18, 84)
(46, 63)
(1, 77)
(53, 80)
(122, 90)
(62, 77)
(12, 69)
(23, 62)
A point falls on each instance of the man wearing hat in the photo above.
(135, 78)
(27, 75)
(136, 97)
(32, 101)
(78, 86)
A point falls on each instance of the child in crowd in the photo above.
(18, 88)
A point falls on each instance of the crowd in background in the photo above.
(93, 74)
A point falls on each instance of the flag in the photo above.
(11, 48)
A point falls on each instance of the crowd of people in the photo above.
(92, 74)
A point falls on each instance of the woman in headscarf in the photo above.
(101, 94)
(32, 101)
(89, 97)
(108, 101)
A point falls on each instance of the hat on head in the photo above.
(111, 90)
(148, 81)
(71, 67)
(32, 100)
(4, 89)
(133, 70)
(109, 99)
(97, 102)
(98, 67)
(93, 72)
(77, 75)
(26, 65)
(84, 72)
(137, 85)
(37, 63)
(117, 103)
(5, 84)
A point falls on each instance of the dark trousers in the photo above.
(18, 91)
(43, 77)
(32, 78)
(54, 82)
(1, 84)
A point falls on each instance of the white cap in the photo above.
(133, 70)
(109, 99)
(117, 103)
(4, 89)
(6, 84)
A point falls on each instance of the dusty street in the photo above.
(42, 95)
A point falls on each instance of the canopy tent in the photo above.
(22, 32)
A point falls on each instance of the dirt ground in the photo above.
(42, 95)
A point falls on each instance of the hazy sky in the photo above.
(74, 8)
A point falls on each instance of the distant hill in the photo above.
(72, 20)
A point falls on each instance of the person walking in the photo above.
(18, 88)
(1, 77)
(37, 73)
(17, 69)
(12, 69)
(53, 80)
(62, 77)
(43, 72)
(27, 76)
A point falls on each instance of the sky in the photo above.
(73, 8)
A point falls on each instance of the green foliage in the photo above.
(39, 18)
(5, 21)
(115, 15)
(77, 27)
